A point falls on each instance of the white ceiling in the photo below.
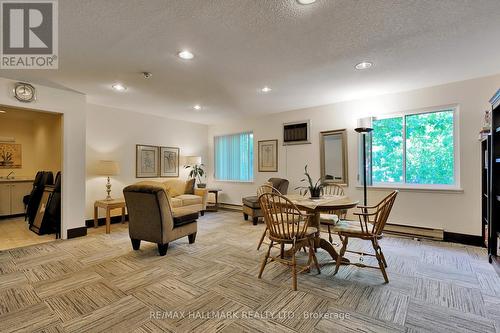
(305, 53)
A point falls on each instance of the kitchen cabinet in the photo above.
(11, 196)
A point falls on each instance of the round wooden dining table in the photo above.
(318, 206)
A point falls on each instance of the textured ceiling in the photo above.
(305, 53)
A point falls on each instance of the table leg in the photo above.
(320, 242)
(123, 214)
(216, 200)
(108, 220)
(95, 216)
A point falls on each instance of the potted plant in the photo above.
(316, 189)
(197, 172)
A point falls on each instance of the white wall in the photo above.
(453, 212)
(72, 106)
(112, 135)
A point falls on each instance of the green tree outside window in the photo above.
(427, 153)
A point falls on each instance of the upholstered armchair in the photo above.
(152, 219)
(251, 205)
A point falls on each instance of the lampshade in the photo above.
(364, 125)
(107, 168)
(193, 160)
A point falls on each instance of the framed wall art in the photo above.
(10, 156)
(147, 162)
(169, 162)
(268, 156)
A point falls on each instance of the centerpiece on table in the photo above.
(315, 190)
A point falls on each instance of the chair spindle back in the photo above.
(284, 220)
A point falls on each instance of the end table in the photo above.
(215, 206)
(109, 205)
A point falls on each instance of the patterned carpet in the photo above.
(98, 283)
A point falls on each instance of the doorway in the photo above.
(30, 142)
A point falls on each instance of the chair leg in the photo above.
(380, 262)
(162, 249)
(255, 220)
(341, 253)
(381, 254)
(245, 216)
(264, 262)
(313, 255)
(192, 238)
(282, 250)
(330, 235)
(294, 271)
(262, 239)
(136, 243)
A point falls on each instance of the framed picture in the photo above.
(146, 160)
(268, 156)
(10, 156)
(169, 162)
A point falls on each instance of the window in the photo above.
(414, 149)
(234, 157)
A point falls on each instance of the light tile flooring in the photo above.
(14, 233)
(98, 283)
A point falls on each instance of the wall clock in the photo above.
(24, 92)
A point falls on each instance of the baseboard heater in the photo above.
(414, 232)
(390, 228)
(230, 206)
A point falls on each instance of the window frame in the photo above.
(252, 164)
(456, 186)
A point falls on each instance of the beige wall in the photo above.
(451, 211)
(40, 136)
(47, 142)
(112, 135)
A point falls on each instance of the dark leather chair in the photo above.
(26, 198)
(251, 205)
(46, 178)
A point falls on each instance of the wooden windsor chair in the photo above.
(372, 220)
(332, 217)
(266, 188)
(287, 225)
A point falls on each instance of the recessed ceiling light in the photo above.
(119, 87)
(306, 2)
(363, 65)
(186, 55)
(197, 107)
(2, 111)
(266, 89)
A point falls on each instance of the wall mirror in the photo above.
(333, 154)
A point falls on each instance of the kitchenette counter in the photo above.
(16, 180)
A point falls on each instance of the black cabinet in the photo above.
(493, 186)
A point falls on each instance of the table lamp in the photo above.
(193, 160)
(108, 168)
(364, 127)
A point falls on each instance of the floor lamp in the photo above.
(364, 127)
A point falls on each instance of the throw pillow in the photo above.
(190, 186)
(175, 187)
